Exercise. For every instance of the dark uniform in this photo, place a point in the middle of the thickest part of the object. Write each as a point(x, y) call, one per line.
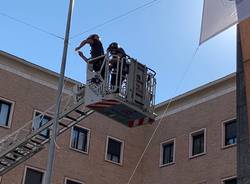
point(96, 51)
point(118, 51)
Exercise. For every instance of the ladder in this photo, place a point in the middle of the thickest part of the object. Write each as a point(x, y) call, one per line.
point(25, 142)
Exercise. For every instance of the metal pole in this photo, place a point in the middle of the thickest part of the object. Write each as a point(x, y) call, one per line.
point(51, 155)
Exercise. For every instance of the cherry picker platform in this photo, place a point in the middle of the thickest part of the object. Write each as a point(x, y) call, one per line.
point(123, 89)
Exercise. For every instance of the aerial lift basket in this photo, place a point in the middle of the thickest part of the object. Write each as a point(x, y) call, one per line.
point(123, 89)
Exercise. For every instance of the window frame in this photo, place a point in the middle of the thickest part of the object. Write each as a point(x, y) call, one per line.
point(74, 180)
point(46, 114)
point(223, 145)
point(122, 150)
point(228, 178)
point(11, 112)
point(88, 139)
point(191, 135)
point(169, 141)
point(33, 168)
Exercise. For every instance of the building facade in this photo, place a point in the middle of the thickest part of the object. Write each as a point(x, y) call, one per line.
point(195, 142)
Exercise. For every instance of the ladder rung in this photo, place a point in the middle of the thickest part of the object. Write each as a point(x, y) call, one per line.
point(10, 158)
point(42, 135)
point(80, 112)
point(27, 147)
point(19, 152)
point(4, 164)
point(62, 124)
point(35, 141)
point(2, 168)
point(69, 117)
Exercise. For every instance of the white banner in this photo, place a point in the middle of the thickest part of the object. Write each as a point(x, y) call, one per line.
point(218, 15)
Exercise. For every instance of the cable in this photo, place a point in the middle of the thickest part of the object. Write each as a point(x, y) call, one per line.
point(115, 18)
point(32, 26)
point(164, 113)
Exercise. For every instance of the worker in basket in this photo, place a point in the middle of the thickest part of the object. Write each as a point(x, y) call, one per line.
point(119, 58)
point(96, 51)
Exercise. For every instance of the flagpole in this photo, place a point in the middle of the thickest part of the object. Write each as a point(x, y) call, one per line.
point(51, 155)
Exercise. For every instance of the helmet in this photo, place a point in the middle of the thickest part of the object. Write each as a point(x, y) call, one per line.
point(113, 46)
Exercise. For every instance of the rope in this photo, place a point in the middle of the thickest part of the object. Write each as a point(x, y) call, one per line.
point(115, 18)
point(164, 113)
point(31, 26)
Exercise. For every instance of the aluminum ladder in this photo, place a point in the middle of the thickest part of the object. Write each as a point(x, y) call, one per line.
point(25, 142)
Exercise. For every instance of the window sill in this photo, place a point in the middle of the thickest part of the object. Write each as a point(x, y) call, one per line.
point(6, 127)
point(229, 146)
point(79, 151)
point(198, 155)
point(166, 165)
point(116, 163)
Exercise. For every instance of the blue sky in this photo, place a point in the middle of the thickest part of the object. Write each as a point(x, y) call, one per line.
point(163, 36)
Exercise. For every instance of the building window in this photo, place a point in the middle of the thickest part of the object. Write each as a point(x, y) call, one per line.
point(33, 176)
point(114, 150)
point(39, 120)
point(198, 143)
point(230, 132)
point(230, 181)
point(167, 151)
point(80, 139)
point(5, 113)
point(71, 181)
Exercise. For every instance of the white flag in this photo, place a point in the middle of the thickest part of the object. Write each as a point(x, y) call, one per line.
point(219, 15)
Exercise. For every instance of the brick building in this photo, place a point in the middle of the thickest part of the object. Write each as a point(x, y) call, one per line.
point(195, 143)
